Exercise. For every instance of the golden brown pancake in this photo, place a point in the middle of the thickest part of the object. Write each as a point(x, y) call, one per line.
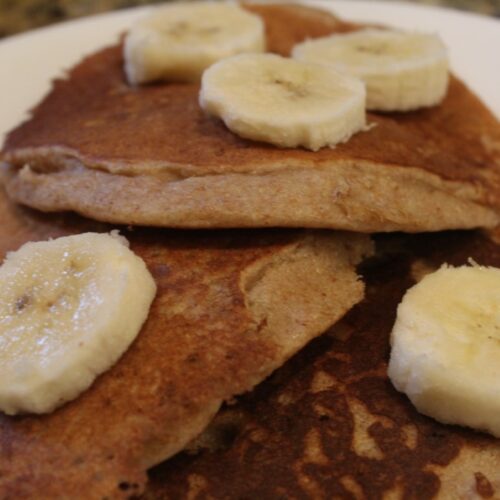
point(231, 307)
point(150, 156)
point(329, 424)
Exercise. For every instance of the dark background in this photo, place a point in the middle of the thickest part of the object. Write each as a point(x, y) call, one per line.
point(21, 15)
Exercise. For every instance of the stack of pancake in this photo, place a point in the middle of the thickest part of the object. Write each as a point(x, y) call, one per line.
point(235, 304)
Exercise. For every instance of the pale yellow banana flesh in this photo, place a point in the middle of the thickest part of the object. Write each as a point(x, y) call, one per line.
point(402, 71)
point(287, 103)
point(446, 347)
point(178, 42)
point(69, 308)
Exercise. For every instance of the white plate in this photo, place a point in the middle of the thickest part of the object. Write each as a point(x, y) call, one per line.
point(29, 61)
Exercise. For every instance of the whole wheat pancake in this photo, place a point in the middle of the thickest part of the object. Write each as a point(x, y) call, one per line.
point(329, 424)
point(231, 307)
point(149, 156)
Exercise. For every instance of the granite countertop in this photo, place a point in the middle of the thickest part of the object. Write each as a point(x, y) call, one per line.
point(21, 15)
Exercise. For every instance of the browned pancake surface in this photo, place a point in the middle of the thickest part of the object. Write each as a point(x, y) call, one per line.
point(229, 310)
point(96, 114)
point(149, 156)
point(329, 424)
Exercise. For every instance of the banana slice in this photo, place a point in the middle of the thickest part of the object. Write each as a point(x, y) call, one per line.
point(69, 308)
point(287, 103)
point(446, 347)
point(179, 41)
point(402, 71)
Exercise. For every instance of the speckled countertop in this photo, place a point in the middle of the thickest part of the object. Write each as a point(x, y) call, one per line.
point(22, 15)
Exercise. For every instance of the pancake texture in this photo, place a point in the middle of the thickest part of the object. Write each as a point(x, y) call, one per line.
point(329, 424)
point(231, 307)
point(150, 156)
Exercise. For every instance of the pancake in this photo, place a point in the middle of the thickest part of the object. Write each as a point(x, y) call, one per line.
point(149, 156)
point(329, 424)
point(231, 307)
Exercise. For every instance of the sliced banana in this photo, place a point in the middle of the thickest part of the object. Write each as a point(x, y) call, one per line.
point(178, 42)
point(446, 347)
point(287, 103)
point(69, 308)
point(402, 71)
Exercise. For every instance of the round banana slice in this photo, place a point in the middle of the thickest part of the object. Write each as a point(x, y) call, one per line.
point(446, 347)
point(69, 308)
point(287, 103)
point(178, 42)
point(402, 71)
